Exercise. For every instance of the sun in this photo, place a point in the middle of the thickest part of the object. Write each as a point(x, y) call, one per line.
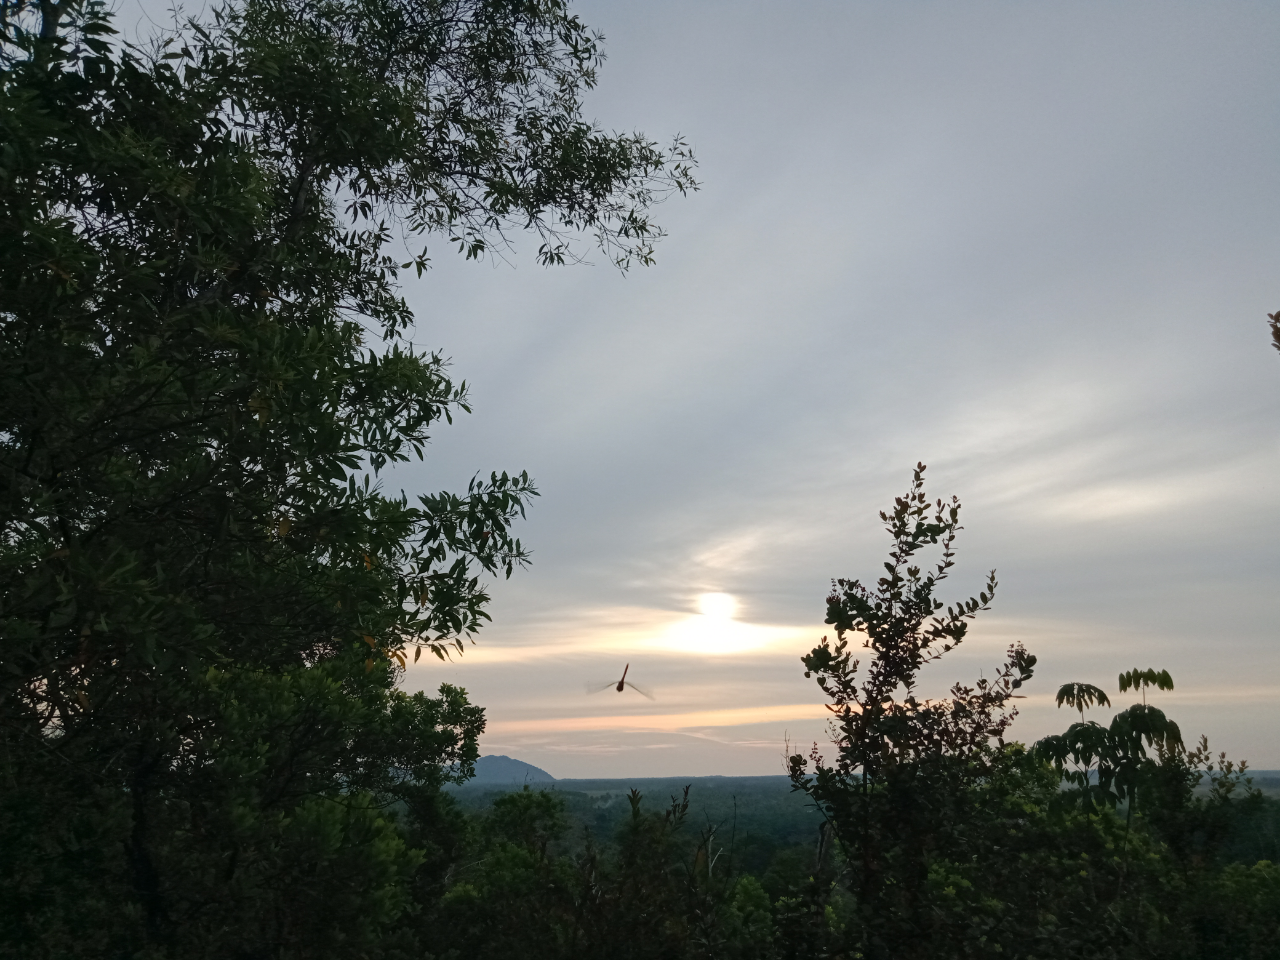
point(715, 630)
point(717, 606)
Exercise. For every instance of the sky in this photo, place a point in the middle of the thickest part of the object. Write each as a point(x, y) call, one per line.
point(1031, 245)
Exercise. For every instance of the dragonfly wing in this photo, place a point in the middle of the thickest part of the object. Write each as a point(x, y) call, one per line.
point(643, 693)
point(600, 687)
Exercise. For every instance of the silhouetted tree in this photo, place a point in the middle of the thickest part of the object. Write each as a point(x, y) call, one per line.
point(206, 600)
point(958, 844)
point(898, 794)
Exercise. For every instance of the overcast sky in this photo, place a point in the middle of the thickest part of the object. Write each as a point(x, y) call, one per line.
point(1032, 245)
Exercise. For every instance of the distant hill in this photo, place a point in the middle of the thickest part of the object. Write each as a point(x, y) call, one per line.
point(493, 771)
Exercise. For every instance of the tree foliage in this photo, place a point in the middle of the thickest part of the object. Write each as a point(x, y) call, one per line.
point(658, 888)
point(206, 597)
point(1081, 696)
point(953, 842)
point(897, 793)
point(1109, 763)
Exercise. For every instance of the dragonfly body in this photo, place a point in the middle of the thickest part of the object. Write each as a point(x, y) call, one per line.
point(620, 686)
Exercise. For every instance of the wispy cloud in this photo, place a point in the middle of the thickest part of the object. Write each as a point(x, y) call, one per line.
point(667, 722)
point(1024, 244)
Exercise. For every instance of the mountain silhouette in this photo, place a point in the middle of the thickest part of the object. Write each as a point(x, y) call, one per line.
point(504, 770)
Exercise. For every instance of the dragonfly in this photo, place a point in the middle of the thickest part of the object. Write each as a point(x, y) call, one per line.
point(624, 682)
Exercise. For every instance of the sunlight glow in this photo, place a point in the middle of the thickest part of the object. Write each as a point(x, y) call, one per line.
point(667, 722)
point(627, 631)
point(717, 606)
point(715, 631)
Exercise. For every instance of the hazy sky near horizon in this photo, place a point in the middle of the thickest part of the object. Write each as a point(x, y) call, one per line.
point(1032, 245)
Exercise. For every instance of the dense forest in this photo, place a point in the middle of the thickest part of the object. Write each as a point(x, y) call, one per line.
point(749, 871)
point(208, 601)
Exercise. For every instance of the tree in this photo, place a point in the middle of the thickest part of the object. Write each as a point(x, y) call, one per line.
point(900, 795)
point(1118, 754)
point(1081, 696)
point(206, 598)
point(1181, 807)
point(958, 844)
point(644, 896)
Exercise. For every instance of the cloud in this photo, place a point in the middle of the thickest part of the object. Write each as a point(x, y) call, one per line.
point(666, 722)
point(1030, 245)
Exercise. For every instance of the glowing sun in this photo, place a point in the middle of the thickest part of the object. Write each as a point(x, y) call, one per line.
point(717, 606)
